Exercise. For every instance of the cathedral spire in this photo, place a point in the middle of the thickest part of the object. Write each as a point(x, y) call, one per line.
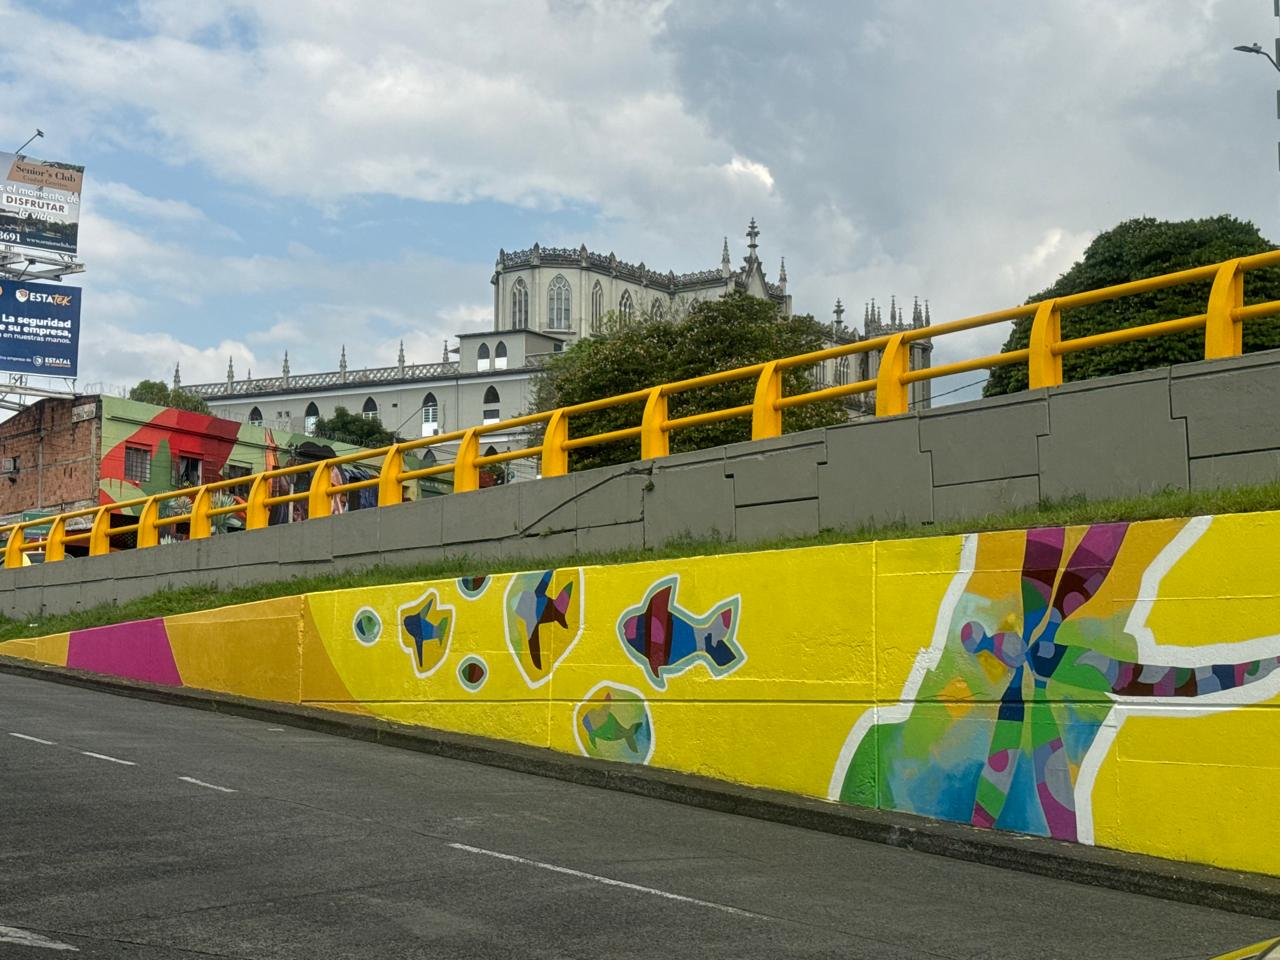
point(917, 316)
point(927, 321)
point(231, 372)
point(753, 233)
point(177, 377)
point(342, 364)
point(782, 274)
point(446, 351)
point(400, 358)
point(284, 369)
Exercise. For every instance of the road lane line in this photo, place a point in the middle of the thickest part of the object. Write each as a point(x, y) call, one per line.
point(211, 786)
point(23, 736)
point(103, 756)
point(607, 881)
point(25, 938)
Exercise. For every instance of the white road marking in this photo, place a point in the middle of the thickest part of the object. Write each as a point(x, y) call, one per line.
point(275, 729)
point(607, 881)
point(103, 756)
point(211, 786)
point(25, 938)
point(23, 736)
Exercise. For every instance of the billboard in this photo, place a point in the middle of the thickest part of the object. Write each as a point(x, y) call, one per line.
point(39, 203)
point(39, 328)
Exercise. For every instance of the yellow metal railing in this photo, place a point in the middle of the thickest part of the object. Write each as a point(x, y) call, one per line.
point(1222, 322)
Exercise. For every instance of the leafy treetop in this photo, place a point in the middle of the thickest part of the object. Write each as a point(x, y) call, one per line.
point(159, 393)
point(734, 331)
point(1134, 250)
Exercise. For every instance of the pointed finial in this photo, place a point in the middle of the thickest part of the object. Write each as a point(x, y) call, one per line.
point(753, 232)
point(839, 312)
point(177, 377)
point(446, 351)
point(400, 357)
point(927, 321)
point(342, 364)
point(231, 372)
point(782, 272)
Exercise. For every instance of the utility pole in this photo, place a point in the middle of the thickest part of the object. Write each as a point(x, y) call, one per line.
point(1275, 62)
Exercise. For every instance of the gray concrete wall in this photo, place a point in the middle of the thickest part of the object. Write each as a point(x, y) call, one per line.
point(1193, 426)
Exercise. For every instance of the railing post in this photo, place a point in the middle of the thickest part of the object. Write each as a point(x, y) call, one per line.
point(13, 548)
point(555, 458)
point(148, 534)
point(654, 441)
point(390, 486)
point(766, 418)
point(1223, 334)
point(100, 533)
point(56, 548)
point(319, 503)
point(892, 397)
point(200, 526)
point(256, 512)
point(1044, 367)
point(466, 475)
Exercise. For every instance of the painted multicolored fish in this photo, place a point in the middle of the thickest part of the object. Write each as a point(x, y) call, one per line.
point(423, 630)
point(668, 640)
point(536, 609)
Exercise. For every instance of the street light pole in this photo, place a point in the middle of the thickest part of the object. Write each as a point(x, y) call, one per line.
point(1275, 62)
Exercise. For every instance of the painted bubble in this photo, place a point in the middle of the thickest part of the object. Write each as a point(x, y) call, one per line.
point(472, 673)
point(613, 723)
point(472, 587)
point(367, 626)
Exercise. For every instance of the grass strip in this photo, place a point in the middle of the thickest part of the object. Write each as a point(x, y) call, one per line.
point(1073, 511)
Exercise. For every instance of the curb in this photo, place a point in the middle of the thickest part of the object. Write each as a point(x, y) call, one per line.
point(1246, 893)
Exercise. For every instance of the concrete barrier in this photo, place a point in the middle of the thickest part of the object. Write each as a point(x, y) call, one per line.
point(1115, 685)
point(1193, 426)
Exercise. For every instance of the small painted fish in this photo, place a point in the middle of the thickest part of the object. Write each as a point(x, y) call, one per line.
point(420, 627)
point(602, 724)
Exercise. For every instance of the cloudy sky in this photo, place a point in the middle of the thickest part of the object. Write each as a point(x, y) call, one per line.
point(300, 174)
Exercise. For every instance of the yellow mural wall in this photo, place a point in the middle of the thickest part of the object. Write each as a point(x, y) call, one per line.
point(1115, 684)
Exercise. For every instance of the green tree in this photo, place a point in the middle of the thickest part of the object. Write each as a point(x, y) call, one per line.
point(1134, 250)
point(733, 331)
point(352, 428)
point(158, 393)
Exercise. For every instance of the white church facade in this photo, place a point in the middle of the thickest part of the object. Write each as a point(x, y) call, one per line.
point(544, 299)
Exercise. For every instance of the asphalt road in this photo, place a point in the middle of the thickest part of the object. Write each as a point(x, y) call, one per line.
point(141, 830)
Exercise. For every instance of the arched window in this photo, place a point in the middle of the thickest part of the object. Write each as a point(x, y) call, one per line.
point(370, 409)
point(519, 305)
point(492, 412)
point(430, 415)
point(656, 309)
point(842, 371)
point(482, 357)
point(558, 302)
point(310, 419)
point(597, 307)
point(255, 417)
point(491, 451)
point(500, 356)
point(626, 308)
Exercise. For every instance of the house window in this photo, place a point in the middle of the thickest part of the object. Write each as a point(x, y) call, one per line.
point(310, 419)
point(492, 416)
point(370, 409)
point(519, 305)
point(558, 301)
point(255, 417)
point(430, 416)
point(8, 464)
point(233, 471)
point(597, 307)
point(482, 357)
point(186, 472)
point(137, 464)
point(626, 307)
point(500, 356)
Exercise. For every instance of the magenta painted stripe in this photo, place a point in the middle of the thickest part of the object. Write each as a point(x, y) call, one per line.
point(135, 651)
